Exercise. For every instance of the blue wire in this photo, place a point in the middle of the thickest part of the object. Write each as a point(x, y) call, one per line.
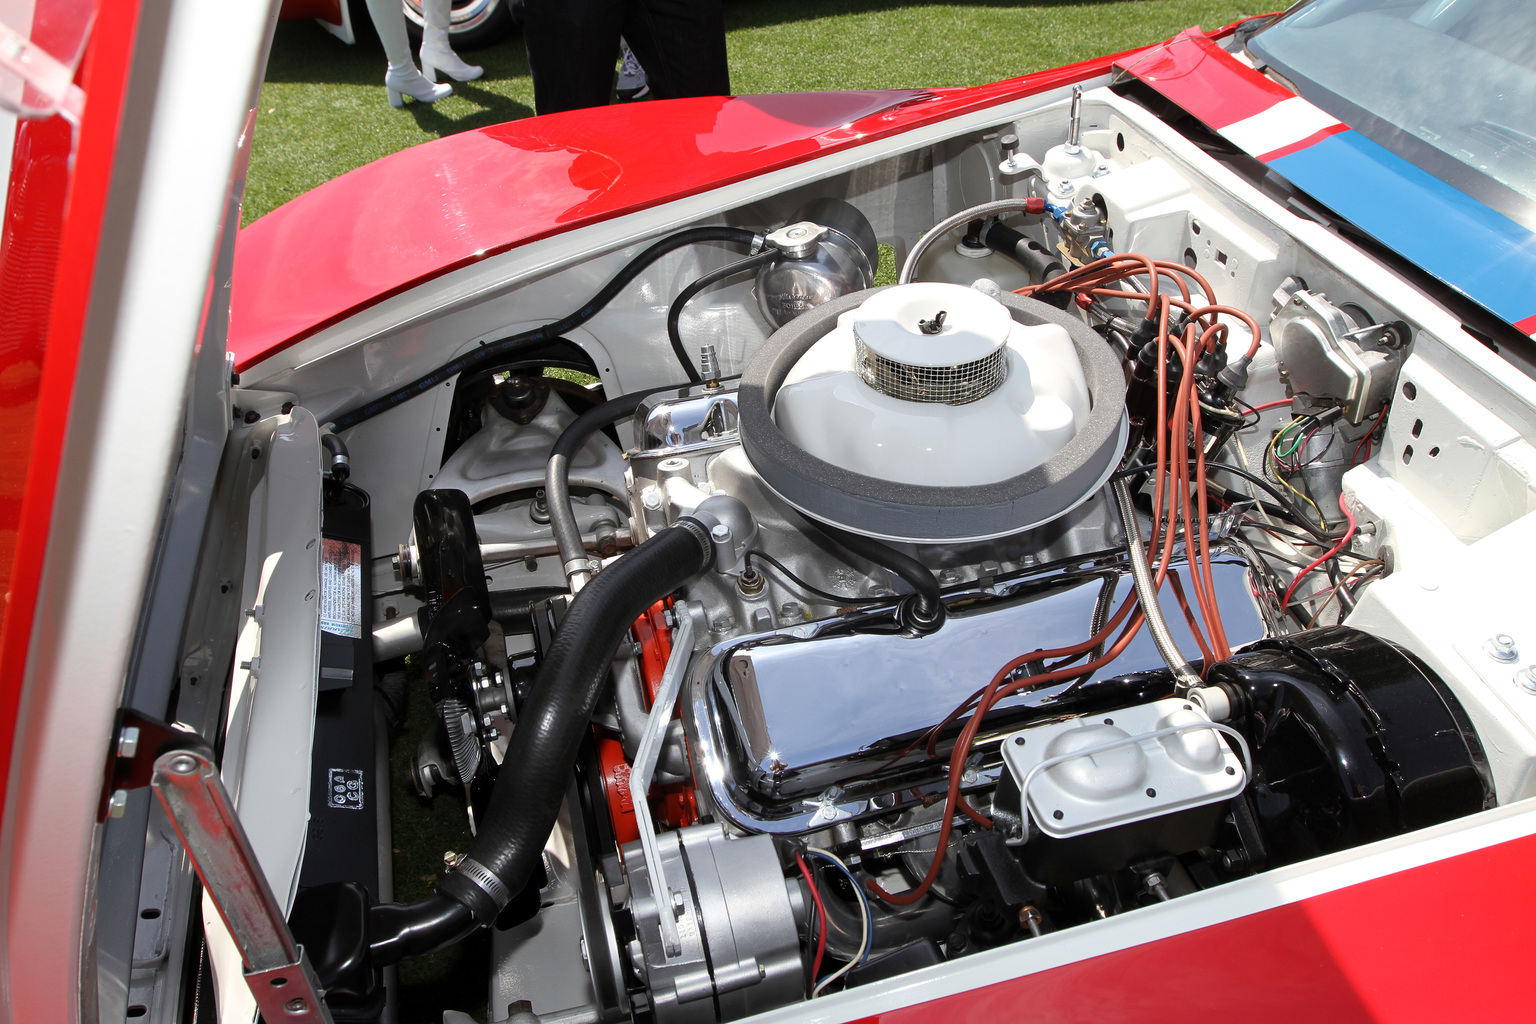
point(869, 914)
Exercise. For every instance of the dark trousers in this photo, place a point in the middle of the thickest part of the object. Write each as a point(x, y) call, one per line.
point(572, 46)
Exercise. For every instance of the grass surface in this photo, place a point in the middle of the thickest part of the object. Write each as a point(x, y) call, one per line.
point(323, 108)
point(454, 979)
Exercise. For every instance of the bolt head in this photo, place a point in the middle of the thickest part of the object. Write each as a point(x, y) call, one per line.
point(1502, 648)
point(1526, 679)
point(183, 764)
point(720, 532)
point(117, 803)
point(296, 1006)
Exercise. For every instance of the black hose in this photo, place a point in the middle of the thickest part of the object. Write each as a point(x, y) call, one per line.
point(514, 608)
point(557, 474)
point(341, 462)
point(675, 314)
point(552, 723)
point(926, 612)
point(498, 350)
point(397, 931)
point(1040, 263)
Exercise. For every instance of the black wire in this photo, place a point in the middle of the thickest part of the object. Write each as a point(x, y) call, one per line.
point(1286, 506)
point(500, 349)
point(1248, 410)
point(927, 596)
point(1289, 534)
point(675, 314)
point(807, 588)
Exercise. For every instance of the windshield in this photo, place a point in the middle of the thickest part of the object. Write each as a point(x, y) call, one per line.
point(1450, 85)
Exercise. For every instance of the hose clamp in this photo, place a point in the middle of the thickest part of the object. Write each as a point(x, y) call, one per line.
point(700, 532)
point(485, 880)
point(578, 566)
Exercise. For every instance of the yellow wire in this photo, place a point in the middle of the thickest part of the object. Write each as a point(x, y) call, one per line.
point(1275, 462)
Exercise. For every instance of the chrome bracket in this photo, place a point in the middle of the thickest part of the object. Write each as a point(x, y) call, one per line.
point(669, 902)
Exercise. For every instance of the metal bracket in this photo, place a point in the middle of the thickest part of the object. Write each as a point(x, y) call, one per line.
point(179, 766)
point(137, 740)
point(668, 903)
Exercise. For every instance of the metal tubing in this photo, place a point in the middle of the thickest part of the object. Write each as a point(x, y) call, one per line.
point(1146, 590)
point(948, 224)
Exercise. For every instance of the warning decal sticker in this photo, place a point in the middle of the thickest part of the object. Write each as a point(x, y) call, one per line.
point(341, 588)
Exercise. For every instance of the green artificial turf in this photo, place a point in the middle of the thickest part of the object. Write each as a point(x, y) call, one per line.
point(323, 108)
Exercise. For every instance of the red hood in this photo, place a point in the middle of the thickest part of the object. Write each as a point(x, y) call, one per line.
point(445, 204)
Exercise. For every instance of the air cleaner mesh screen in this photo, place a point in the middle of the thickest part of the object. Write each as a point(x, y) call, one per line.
point(951, 385)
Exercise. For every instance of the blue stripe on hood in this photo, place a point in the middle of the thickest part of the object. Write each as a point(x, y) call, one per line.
point(1476, 250)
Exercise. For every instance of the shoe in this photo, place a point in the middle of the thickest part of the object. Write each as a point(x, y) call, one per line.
point(632, 83)
point(448, 62)
point(409, 82)
point(436, 51)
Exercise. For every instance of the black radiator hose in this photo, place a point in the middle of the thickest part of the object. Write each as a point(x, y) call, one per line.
point(550, 727)
point(341, 462)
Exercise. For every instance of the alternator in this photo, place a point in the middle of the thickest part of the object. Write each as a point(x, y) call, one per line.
point(737, 922)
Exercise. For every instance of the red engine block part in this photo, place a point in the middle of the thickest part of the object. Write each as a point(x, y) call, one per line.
point(621, 806)
point(655, 638)
point(673, 805)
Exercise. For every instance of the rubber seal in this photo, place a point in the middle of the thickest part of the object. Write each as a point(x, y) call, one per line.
point(921, 514)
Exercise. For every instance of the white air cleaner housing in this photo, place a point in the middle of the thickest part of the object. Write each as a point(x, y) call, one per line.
point(876, 414)
point(935, 384)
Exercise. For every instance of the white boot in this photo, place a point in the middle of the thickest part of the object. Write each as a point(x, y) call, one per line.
point(436, 53)
point(407, 81)
point(402, 78)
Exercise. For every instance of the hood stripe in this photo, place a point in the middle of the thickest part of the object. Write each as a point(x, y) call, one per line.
point(1474, 249)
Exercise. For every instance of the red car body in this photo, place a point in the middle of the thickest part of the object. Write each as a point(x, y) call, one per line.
point(1436, 930)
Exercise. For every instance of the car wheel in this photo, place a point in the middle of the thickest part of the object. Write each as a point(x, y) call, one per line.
point(473, 23)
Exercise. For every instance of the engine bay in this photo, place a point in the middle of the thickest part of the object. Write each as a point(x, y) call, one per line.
point(923, 553)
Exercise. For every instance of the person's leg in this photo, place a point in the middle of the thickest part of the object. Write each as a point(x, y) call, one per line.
point(436, 50)
point(403, 78)
point(389, 23)
point(572, 46)
point(681, 45)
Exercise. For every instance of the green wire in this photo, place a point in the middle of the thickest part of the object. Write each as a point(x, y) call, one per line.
point(1285, 430)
